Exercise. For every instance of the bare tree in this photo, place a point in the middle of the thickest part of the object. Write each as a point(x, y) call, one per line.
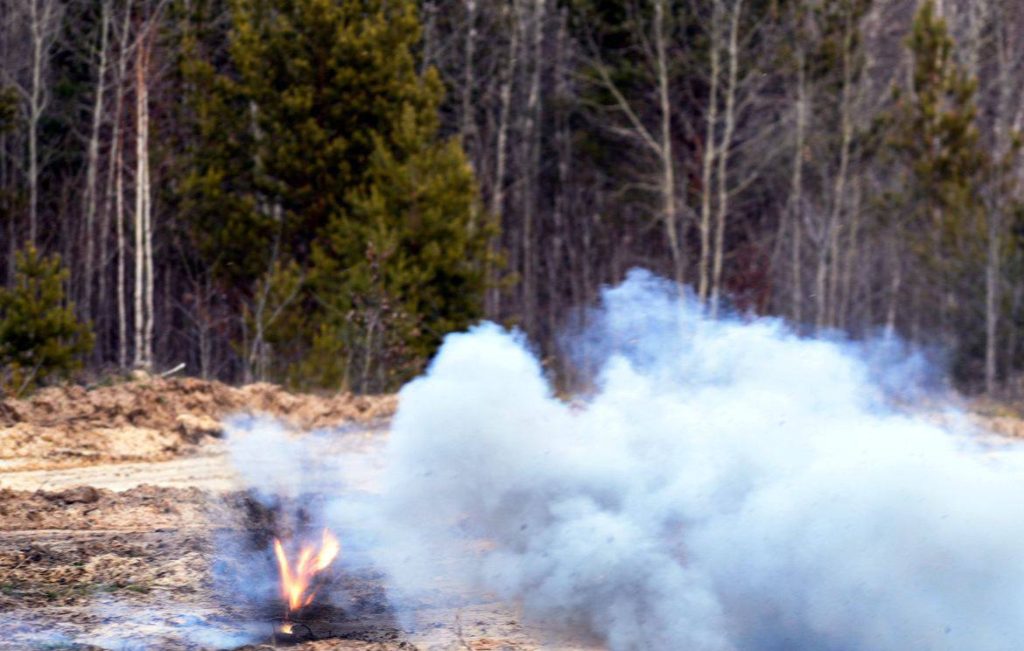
point(115, 182)
point(497, 203)
point(655, 141)
point(828, 244)
point(796, 198)
point(90, 195)
point(723, 154)
point(42, 21)
point(1008, 121)
point(143, 208)
point(468, 128)
point(708, 154)
point(532, 17)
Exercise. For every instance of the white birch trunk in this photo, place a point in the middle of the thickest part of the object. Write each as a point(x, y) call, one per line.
point(723, 157)
point(143, 251)
point(708, 156)
point(119, 208)
point(43, 27)
point(668, 179)
point(92, 166)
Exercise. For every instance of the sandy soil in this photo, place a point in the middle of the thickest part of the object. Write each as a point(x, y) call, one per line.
point(155, 419)
point(115, 505)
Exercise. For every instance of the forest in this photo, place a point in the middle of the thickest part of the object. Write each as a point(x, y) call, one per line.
point(314, 192)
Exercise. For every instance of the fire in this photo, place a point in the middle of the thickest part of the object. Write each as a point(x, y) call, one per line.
point(296, 579)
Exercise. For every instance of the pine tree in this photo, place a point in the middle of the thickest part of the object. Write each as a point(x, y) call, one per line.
point(318, 145)
point(407, 250)
point(939, 210)
point(40, 336)
point(936, 134)
point(287, 131)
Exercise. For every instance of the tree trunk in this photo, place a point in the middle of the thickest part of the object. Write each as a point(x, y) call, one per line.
point(122, 309)
point(992, 268)
point(468, 126)
point(894, 291)
point(668, 173)
point(531, 175)
point(430, 47)
point(117, 172)
point(143, 232)
point(497, 203)
point(42, 30)
point(828, 265)
point(723, 158)
point(845, 296)
point(1007, 122)
point(708, 155)
point(796, 197)
point(92, 167)
point(558, 268)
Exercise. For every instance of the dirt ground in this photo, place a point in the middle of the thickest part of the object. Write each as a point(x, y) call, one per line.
point(155, 419)
point(115, 504)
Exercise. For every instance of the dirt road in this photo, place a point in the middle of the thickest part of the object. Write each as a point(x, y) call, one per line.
point(209, 472)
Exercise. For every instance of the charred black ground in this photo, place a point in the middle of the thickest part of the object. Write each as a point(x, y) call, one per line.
point(350, 601)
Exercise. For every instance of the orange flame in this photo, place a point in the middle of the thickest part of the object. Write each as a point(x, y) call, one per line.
point(295, 581)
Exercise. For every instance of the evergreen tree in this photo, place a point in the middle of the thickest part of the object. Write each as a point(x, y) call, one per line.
point(320, 135)
point(287, 130)
point(407, 249)
point(40, 336)
point(936, 135)
point(940, 210)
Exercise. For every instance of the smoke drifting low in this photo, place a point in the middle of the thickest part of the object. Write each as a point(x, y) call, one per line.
point(727, 486)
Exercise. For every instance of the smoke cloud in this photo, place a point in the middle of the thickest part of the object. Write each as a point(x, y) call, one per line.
point(727, 485)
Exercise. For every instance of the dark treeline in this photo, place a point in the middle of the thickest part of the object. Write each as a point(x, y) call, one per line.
point(314, 192)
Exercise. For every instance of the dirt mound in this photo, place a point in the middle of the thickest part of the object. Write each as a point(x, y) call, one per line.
point(155, 419)
point(87, 508)
point(159, 404)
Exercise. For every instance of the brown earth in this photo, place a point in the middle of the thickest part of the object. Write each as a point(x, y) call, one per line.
point(155, 419)
point(121, 512)
point(119, 509)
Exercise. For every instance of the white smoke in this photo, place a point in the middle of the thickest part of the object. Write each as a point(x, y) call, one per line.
point(727, 485)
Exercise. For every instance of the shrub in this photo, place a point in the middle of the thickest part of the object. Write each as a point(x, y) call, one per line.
point(40, 336)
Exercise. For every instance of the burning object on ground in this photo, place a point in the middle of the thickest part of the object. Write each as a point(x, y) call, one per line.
point(298, 581)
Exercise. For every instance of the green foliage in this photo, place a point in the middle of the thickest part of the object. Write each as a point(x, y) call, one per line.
point(409, 236)
point(268, 315)
point(40, 336)
point(318, 150)
point(288, 129)
point(362, 343)
point(936, 136)
point(938, 209)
